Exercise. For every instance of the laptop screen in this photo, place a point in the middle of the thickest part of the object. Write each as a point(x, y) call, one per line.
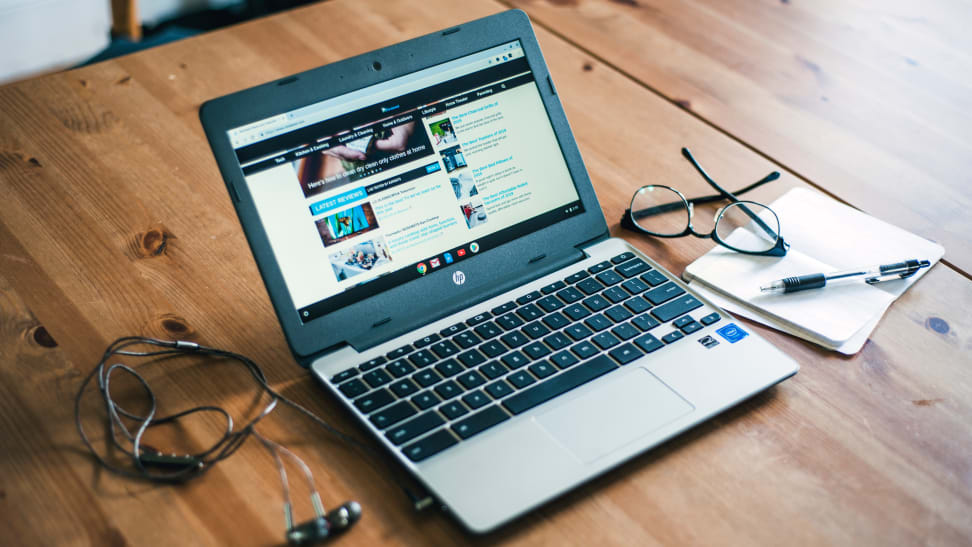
point(366, 191)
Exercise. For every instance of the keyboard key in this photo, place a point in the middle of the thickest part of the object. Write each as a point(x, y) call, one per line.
point(682, 321)
point(493, 370)
point(564, 359)
point(598, 322)
point(711, 318)
point(529, 297)
point(648, 343)
point(449, 331)
point(407, 431)
point(400, 352)
point(500, 310)
point(499, 389)
point(570, 295)
point(529, 312)
point(578, 332)
point(373, 401)
point(509, 321)
point(514, 339)
point(487, 330)
point(542, 369)
point(663, 293)
point(404, 388)
point(605, 340)
point(392, 415)
point(448, 389)
point(429, 446)
point(466, 340)
point(514, 360)
point(480, 318)
point(645, 322)
point(426, 378)
point(553, 287)
point(453, 409)
point(493, 348)
point(557, 340)
point(480, 421)
point(633, 268)
point(372, 364)
point(520, 379)
point(400, 368)
point(616, 294)
point(600, 267)
point(625, 331)
point(584, 349)
point(618, 314)
point(566, 381)
point(471, 379)
point(444, 348)
point(535, 330)
point(622, 257)
point(536, 350)
point(691, 327)
point(344, 375)
point(625, 353)
point(596, 302)
point(550, 303)
point(637, 305)
point(472, 358)
point(590, 286)
point(555, 321)
point(574, 278)
point(635, 286)
point(353, 388)
point(422, 342)
point(476, 399)
point(422, 358)
point(425, 400)
point(449, 367)
point(576, 312)
point(609, 278)
point(672, 336)
point(376, 378)
point(653, 278)
point(673, 309)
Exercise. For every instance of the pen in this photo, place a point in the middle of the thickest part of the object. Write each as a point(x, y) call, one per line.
point(870, 275)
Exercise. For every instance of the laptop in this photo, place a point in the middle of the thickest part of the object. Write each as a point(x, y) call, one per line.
point(437, 258)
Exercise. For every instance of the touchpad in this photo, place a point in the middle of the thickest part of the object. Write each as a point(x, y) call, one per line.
point(620, 409)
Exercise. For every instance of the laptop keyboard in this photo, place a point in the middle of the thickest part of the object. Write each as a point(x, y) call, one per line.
point(444, 388)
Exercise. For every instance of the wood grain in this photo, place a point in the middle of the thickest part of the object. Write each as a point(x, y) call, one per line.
point(868, 101)
point(115, 221)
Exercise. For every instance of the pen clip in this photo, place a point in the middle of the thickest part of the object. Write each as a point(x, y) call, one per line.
point(892, 277)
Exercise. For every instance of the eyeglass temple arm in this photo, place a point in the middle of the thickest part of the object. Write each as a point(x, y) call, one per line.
point(668, 207)
point(759, 222)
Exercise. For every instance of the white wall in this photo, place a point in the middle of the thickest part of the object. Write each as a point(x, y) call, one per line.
point(38, 36)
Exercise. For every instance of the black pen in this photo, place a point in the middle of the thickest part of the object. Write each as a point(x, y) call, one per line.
point(870, 275)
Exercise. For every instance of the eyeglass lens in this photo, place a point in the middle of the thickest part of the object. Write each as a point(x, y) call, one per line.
point(660, 210)
point(748, 226)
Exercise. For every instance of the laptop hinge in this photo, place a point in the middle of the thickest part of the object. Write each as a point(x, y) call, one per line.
point(593, 241)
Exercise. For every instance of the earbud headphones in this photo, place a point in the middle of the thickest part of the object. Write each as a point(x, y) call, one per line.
point(154, 465)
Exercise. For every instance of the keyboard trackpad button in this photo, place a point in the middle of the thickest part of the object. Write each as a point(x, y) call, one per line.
point(620, 409)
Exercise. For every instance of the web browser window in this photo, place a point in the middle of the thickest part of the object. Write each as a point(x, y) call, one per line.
point(364, 192)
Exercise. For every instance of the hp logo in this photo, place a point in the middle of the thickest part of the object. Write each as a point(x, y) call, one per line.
point(458, 277)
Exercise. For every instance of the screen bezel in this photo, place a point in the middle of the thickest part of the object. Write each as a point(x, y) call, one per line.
point(406, 307)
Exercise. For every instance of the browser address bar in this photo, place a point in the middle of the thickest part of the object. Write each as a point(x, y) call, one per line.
point(371, 95)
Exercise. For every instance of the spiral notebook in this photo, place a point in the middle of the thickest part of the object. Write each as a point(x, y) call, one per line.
point(824, 236)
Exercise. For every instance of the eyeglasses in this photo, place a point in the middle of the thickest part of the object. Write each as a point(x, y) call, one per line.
point(743, 226)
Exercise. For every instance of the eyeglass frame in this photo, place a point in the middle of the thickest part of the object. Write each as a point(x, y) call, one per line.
point(779, 250)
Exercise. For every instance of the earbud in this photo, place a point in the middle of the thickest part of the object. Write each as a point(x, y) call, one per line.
point(323, 525)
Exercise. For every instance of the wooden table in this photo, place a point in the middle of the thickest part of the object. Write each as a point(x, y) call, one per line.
point(114, 221)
